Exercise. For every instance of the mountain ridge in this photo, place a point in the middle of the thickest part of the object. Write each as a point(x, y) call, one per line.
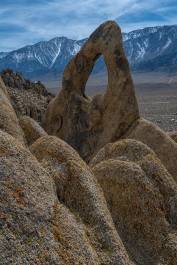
point(152, 48)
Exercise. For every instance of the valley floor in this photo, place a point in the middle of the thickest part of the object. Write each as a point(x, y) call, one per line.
point(156, 93)
point(158, 103)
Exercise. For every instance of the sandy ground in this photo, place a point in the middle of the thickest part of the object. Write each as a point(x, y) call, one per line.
point(156, 94)
point(159, 104)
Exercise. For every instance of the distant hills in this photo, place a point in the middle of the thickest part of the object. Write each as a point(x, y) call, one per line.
point(148, 49)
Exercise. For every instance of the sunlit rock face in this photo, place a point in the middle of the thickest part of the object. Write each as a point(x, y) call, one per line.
point(89, 123)
point(142, 198)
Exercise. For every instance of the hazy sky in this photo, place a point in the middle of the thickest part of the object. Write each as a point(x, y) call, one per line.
point(24, 22)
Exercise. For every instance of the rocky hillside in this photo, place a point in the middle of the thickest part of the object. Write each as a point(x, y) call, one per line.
point(149, 49)
point(27, 98)
point(99, 186)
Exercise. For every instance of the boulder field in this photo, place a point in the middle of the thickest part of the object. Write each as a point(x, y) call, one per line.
point(94, 183)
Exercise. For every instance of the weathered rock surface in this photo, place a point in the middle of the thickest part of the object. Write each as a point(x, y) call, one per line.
point(78, 190)
point(27, 98)
point(27, 201)
point(142, 198)
point(121, 209)
point(36, 228)
point(88, 124)
point(16, 80)
point(159, 141)
point(173, 135)
point(32, 130)
point(8, 119)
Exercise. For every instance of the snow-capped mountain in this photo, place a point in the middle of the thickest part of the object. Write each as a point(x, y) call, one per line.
point(40, 58)
point(147, 49)
point(3, 54)
point(152, 48)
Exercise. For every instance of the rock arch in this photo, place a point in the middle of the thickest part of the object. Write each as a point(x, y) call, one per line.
point(89, 123)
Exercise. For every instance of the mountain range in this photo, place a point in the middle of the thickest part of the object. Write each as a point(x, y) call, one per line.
point(148, 49)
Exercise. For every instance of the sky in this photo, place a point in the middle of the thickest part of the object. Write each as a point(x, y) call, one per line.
point(24, 22)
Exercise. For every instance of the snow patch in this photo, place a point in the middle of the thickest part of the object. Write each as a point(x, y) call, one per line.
point(76, 49)
point(167, 44)
point(56, 55)
point(141, 51)
point(18, 57)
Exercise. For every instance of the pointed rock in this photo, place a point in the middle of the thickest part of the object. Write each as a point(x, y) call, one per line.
point(88, 124)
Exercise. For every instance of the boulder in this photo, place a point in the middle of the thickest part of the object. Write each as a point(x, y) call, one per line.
point(142, 198)
point(31, 129)
point(36, 228)
point(78, 190)
point(126, 149)
point(87, 124)
point(159, 141)
point(27, 201)
point(8, 119)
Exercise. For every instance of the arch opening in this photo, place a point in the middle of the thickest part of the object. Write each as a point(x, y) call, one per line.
point(98, 79)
